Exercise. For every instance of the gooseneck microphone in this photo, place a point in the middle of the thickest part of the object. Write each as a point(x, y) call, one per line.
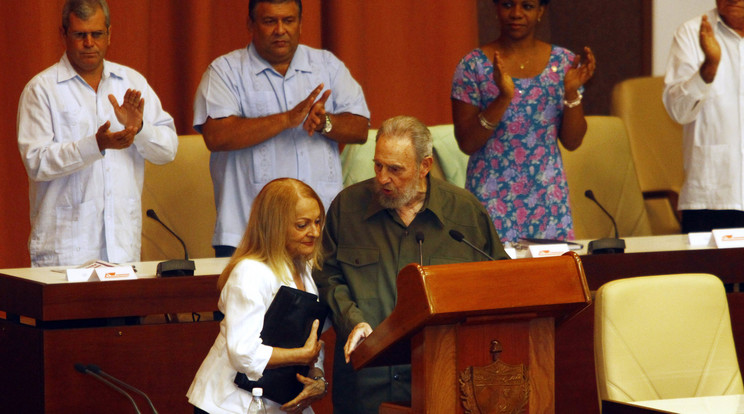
point(97, 370)
point(83, 369)
point(420, 241)
point(607, 244)
point(461, 238)
point(175, 267)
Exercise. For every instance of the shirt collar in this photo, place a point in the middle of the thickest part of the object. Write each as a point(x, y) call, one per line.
point(724, 26)
point(67, 72)
point(299, 63)
point(433, 202)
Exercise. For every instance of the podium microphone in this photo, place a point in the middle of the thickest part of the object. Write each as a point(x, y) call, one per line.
point(607, 244)
point(97, 370)
point(175, 267)
point(420, 241)
point(461, 238)
point(81, 368)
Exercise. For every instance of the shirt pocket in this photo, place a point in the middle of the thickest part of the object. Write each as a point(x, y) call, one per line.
point(261, 104)
point(71, 125)
point(712, 164)
point(78, 231)
point(361, 267)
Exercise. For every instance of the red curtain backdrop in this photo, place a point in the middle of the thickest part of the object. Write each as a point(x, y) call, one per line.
point(402, 52)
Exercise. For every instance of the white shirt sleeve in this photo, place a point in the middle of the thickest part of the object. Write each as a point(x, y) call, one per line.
point(157, 141)
point(684, 88)
point(246, 296)
point(45, 157)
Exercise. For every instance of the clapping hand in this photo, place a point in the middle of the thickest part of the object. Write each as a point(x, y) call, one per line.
point(711, 50)
point(582, 69)
point(316, 117)
point(310, 111)
point(131, 110)
point(129, 114)
point(503, 80)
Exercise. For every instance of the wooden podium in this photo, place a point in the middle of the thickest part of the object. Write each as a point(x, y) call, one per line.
point(447, 318)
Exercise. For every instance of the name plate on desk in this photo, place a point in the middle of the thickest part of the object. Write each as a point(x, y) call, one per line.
point(103, 274)
point(547, 250)
point(700, 239)
point(728, 237)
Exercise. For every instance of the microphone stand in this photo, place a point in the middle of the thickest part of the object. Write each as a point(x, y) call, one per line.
point(420, 241)
point(97, 370)
point(83, 369)
point(174, 267)
point(461, 238)
point(607, 244)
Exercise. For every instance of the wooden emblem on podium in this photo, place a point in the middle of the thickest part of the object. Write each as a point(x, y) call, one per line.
point(495, 388)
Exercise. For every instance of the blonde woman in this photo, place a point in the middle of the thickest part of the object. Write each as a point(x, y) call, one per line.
point(280, 246)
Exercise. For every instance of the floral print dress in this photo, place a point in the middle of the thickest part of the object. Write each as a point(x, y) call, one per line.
point(518, 174)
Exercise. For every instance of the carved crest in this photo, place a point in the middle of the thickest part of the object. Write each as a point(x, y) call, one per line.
point(495, 388)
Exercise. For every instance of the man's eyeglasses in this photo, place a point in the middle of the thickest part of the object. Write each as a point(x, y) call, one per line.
point(82, 36)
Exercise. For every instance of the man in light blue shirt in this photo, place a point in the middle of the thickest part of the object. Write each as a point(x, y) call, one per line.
point(275, 109)
point(84, 152)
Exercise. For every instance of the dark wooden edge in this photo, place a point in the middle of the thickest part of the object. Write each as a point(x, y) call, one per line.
point(69, 301)
point(724, 263)
point(616, 407)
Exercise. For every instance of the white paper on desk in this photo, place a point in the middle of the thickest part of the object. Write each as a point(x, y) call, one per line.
point(512, 252)
point(729, 237)
point(700, 239)
point(79, 275)
point(105, 274)
point(548, 250)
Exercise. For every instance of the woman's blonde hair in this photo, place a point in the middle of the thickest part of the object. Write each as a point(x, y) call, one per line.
point(273, 212)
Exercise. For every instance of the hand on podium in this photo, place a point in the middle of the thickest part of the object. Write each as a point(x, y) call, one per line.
point(357, 335)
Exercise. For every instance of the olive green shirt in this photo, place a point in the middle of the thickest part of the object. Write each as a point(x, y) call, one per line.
point(366, 245)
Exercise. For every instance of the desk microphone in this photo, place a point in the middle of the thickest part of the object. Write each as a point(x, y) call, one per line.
point(97, 370)
point(175, 267)
point(81, 368)
point(461, 238)
point(420, 241)
point(607, 244)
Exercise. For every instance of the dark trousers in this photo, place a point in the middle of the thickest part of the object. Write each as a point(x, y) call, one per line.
point(198, 410)
point(223, 251)
point(706, 220)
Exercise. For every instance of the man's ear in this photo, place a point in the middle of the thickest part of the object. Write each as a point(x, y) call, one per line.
point(426, 165)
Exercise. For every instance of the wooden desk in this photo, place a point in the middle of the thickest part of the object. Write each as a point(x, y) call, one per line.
point(50, 324)
point(576, 390)
point(724, 404)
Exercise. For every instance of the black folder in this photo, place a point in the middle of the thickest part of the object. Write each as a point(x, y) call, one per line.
point(287, 324)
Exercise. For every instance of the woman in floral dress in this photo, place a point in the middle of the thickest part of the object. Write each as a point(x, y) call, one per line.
point(512, 100)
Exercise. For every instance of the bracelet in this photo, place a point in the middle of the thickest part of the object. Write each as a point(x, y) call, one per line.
point(575, 102)
point(485, 123)
point(320, 377)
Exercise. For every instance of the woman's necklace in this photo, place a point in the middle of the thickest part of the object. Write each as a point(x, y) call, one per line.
point(525, 63)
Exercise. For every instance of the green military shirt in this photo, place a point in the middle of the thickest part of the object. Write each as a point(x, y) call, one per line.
point(366, 245)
